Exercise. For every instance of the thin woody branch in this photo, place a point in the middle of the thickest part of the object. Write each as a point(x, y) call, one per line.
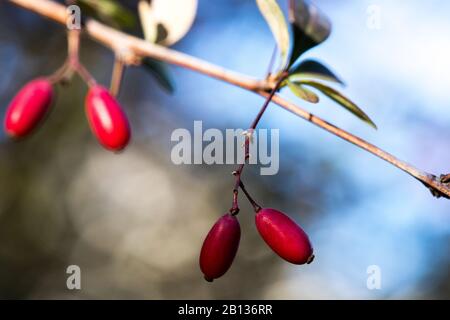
point(117, 76)
point(109, 37)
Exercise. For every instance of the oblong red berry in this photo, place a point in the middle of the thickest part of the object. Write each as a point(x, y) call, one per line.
point(284, 236)
point(28, 107)
point(106, 118)
point(220, 247)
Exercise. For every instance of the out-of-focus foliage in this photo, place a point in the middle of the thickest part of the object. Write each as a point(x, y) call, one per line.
point(110, 12)
point(167, 21)
point(161, 73)
point(339, 98)
point(277, 23)
point(310, 27)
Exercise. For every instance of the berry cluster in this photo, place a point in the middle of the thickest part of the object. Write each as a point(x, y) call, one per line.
point(33, 102)
point(110, 125)
point(280, 233)
point(30, 105)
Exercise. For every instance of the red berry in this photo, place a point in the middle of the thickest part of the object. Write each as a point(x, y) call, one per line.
point(28, 107)
point(220, 247)
point(107, 120)
point(284, 236)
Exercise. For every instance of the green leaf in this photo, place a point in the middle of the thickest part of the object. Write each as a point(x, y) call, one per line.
point(302, 92)
point(314, 69)
point(161, 73)
point(340, 99)
point(110, 12)
point(278, 25)
point(310, 27)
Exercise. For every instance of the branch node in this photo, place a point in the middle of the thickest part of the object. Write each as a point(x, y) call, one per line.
point(443, 181)
point(127, 56)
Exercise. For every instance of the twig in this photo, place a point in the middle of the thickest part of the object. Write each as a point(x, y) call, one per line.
point(271, 62)
point(73, 37)
point(238, 172)
point(255, 205)
point(111, 38)
point(117, 76)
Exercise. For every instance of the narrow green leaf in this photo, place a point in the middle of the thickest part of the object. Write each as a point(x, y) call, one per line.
point(160, 71)
point(277, 23)
point(340, 99)
point(110, 12)
point(310, 27)
point(314, 69)
point(302, 92)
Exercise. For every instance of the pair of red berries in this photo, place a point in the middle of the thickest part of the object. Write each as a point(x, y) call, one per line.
point(281, 233)
point(31, 104)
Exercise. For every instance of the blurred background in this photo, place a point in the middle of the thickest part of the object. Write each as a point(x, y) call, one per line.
point(134, 222)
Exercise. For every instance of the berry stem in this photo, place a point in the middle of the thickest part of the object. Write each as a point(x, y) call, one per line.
point(235, 207)
point(85, 75)
point(60, 74)
point(282, 77)
point(117, 76)
point(73, 42)
point(249, 133)
point(255, 205)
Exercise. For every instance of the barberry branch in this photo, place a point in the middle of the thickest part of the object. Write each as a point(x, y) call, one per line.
point(111, 37)
point(248, 136)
